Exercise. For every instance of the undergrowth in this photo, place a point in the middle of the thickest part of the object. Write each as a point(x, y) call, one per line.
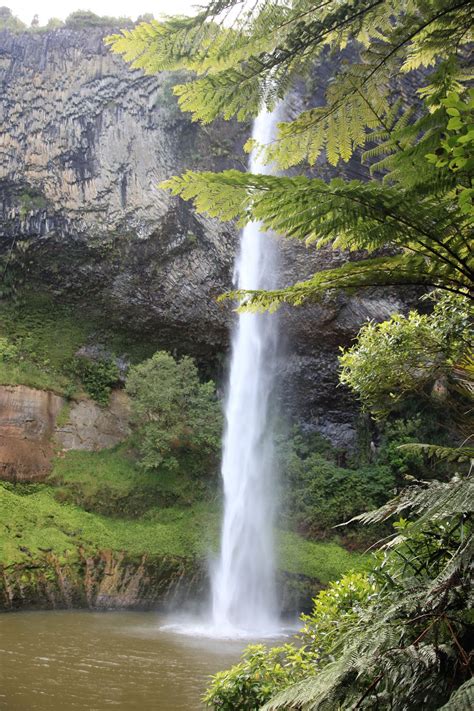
point(110, 482)
point(39, 339)
point(175, 515)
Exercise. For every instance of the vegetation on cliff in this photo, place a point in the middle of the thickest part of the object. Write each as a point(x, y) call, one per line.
point(78, 20)
point(103, 501)
point(41, 342)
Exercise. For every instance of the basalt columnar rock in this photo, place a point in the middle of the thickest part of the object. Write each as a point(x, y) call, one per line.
point(84, 142)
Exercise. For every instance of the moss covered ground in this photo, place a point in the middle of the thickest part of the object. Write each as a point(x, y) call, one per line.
point(169, 515)
point(39, 338)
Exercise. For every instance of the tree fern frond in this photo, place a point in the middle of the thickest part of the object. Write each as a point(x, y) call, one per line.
point(462, 699)
point(448, 454)
point(396, 271)
point(434, 501)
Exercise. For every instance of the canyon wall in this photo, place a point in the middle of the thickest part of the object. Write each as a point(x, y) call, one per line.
point(84, 142)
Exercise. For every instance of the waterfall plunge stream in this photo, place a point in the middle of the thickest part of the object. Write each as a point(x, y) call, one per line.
point(243, 582)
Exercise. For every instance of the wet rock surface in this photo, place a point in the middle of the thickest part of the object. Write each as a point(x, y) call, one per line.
point(106, 580)
point(109, 580)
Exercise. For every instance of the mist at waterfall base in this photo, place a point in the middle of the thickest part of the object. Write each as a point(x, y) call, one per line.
point(243, 587)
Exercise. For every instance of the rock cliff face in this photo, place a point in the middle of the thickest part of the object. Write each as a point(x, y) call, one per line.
point(103, 581)
point(27, 422)
point(84, 142)
point(31, 429)
point(108, 580)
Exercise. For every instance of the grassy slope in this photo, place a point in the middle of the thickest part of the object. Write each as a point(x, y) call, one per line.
point(48, 334)
point(36, 518)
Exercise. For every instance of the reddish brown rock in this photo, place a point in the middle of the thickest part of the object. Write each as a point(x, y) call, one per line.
point(27, 422)
point(30, 435)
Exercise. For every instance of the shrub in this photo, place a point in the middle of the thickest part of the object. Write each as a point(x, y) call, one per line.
point(401, 461)
point(173, 411)
point(263, 671)
point(407, 355)
point(335, 610)
point(320, 494)
point(97, 376)
point(8, 350)
point(8, 21)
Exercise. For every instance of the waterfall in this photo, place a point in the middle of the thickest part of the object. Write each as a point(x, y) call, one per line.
point(243, 582)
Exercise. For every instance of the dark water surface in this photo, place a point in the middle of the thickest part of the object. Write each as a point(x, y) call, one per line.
point(96, 661)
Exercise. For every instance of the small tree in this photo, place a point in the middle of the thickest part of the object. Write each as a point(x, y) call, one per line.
point(173, 412)
point(409, 355)
point(8, 21)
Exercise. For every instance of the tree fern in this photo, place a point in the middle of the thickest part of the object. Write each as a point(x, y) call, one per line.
point(273, 43)
point(366, 216)
point(462, 699)
point(253, 60)
point(416, 626)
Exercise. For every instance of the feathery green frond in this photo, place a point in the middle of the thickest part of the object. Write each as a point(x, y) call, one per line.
point(430, 502)
point(270, 44)
point(351, 215)
point(435, 451)
point(462, 699)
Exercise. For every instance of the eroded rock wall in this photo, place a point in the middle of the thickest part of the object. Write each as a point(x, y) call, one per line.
point(36, 424)
point(27, 423)
point(114, 580)
point(105, 580)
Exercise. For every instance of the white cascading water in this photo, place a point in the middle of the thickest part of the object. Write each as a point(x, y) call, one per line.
point(243, 582)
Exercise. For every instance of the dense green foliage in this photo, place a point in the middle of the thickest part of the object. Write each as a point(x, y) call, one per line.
point(172, 411)
point(410, 645)
point(263, 671)
point(34, 522)
point(83, 19)
point(111, 483)
point(409, 354)
point(97, 376)
point(43, 338)
point(319, 494)
point(324, 487)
